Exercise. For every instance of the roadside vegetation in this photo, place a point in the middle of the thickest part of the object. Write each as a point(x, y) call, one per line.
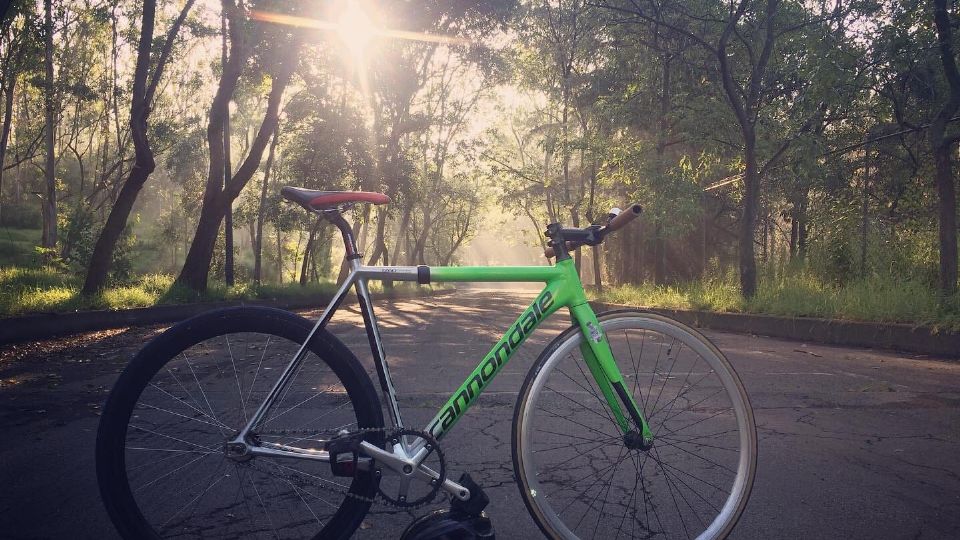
point(26, 286)
point(29, 286)
point(800, 293)
point(26, 290)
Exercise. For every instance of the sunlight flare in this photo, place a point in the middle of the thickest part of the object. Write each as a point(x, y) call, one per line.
point(355, 27)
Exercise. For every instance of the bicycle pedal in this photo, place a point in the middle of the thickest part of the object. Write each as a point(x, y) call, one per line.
point(343, 464)
point(344, 455)
point(450, 525)
point(478, 499)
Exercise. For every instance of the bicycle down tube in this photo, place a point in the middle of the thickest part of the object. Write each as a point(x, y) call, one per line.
point(562, 289)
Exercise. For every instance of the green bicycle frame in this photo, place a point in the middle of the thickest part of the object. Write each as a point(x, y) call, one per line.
point(563, 289)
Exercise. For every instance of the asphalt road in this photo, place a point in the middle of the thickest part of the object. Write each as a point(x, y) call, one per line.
point(853, 443)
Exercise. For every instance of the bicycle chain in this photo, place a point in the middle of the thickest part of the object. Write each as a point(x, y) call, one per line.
point(388, 434)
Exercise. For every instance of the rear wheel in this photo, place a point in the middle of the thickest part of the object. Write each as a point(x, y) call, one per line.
point(161, 464)
point(578, 477)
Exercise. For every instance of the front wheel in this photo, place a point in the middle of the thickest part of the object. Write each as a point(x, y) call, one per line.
point(580, 480)
point(161, 463)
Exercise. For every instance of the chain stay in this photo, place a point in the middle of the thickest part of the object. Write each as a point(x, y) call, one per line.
point(388, 434)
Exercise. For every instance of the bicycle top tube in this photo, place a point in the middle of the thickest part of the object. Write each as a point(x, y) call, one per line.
point(428, 274)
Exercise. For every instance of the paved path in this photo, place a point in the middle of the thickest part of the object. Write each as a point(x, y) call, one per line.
point(853, 443)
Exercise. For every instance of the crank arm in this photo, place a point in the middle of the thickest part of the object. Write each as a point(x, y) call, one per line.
point(421, 472)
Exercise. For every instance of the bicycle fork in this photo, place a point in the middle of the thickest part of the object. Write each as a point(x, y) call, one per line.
point(599, 359)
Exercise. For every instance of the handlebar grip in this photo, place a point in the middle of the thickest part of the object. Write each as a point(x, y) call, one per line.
point(624, 217)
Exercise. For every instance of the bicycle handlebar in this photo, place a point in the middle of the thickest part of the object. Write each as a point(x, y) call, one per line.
point(624, 217)
point(616, 223)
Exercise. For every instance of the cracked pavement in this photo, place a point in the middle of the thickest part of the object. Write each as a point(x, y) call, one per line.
point(853, 443)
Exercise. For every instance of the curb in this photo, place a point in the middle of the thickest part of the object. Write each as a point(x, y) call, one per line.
point(46, 325)
point(893, 336)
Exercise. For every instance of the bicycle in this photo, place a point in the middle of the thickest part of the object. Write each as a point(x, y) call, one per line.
point(251, 421)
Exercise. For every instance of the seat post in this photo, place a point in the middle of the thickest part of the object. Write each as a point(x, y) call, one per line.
point(349, 243)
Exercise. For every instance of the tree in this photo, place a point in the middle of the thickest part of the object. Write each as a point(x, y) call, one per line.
point(281, 58)
point(144, 89)
point(942, 144)
point(261, 211)
point(746, 39)
point(49, 203)
point(18, 44)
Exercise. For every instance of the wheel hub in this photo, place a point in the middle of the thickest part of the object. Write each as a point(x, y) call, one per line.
point(634, 440)
point(236, 451)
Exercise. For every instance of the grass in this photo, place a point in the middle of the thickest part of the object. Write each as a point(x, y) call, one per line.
point(30, 290)
point(17, 247)
point(26, 286)
point(27, 290)
point(875, 298)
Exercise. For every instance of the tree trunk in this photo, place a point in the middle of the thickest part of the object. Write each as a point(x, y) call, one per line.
point(745, 103)
point(279, 257)
point(227, 174)
point(216, 201)
point(379, 245)
point(703, 235)
point(748, 218)
point(597, 279)
point(401, 232)
point(864, 215)
point(421, 245)
point(794, 233)
point(261, 210)
point(141, 97)
point(802, 232)
point(308, 252)
point(49, 208)
point(196, 265)
point(659, 243)
point(5, 130)
point(942, 147)
point(947, 209)
point(659, 255)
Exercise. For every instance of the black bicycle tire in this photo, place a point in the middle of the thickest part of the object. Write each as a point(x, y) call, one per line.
point(111, 469)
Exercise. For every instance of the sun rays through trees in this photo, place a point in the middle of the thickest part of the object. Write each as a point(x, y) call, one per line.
point(775, 145)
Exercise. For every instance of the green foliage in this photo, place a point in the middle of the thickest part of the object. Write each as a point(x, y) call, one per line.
point(21, 216)
point(17, 247)
point(30, 290)
point(798, 292)
point(79, 236)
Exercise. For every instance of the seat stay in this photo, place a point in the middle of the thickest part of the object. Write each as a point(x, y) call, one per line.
point(358, 279)
point(295, 362)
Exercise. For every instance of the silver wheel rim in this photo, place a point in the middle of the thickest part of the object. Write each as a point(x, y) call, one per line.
point(746, 462)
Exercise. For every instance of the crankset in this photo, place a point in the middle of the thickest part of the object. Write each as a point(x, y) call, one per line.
point(417, 462)
point(411, 470)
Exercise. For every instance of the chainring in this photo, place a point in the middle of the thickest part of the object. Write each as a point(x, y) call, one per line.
point(432, 448)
